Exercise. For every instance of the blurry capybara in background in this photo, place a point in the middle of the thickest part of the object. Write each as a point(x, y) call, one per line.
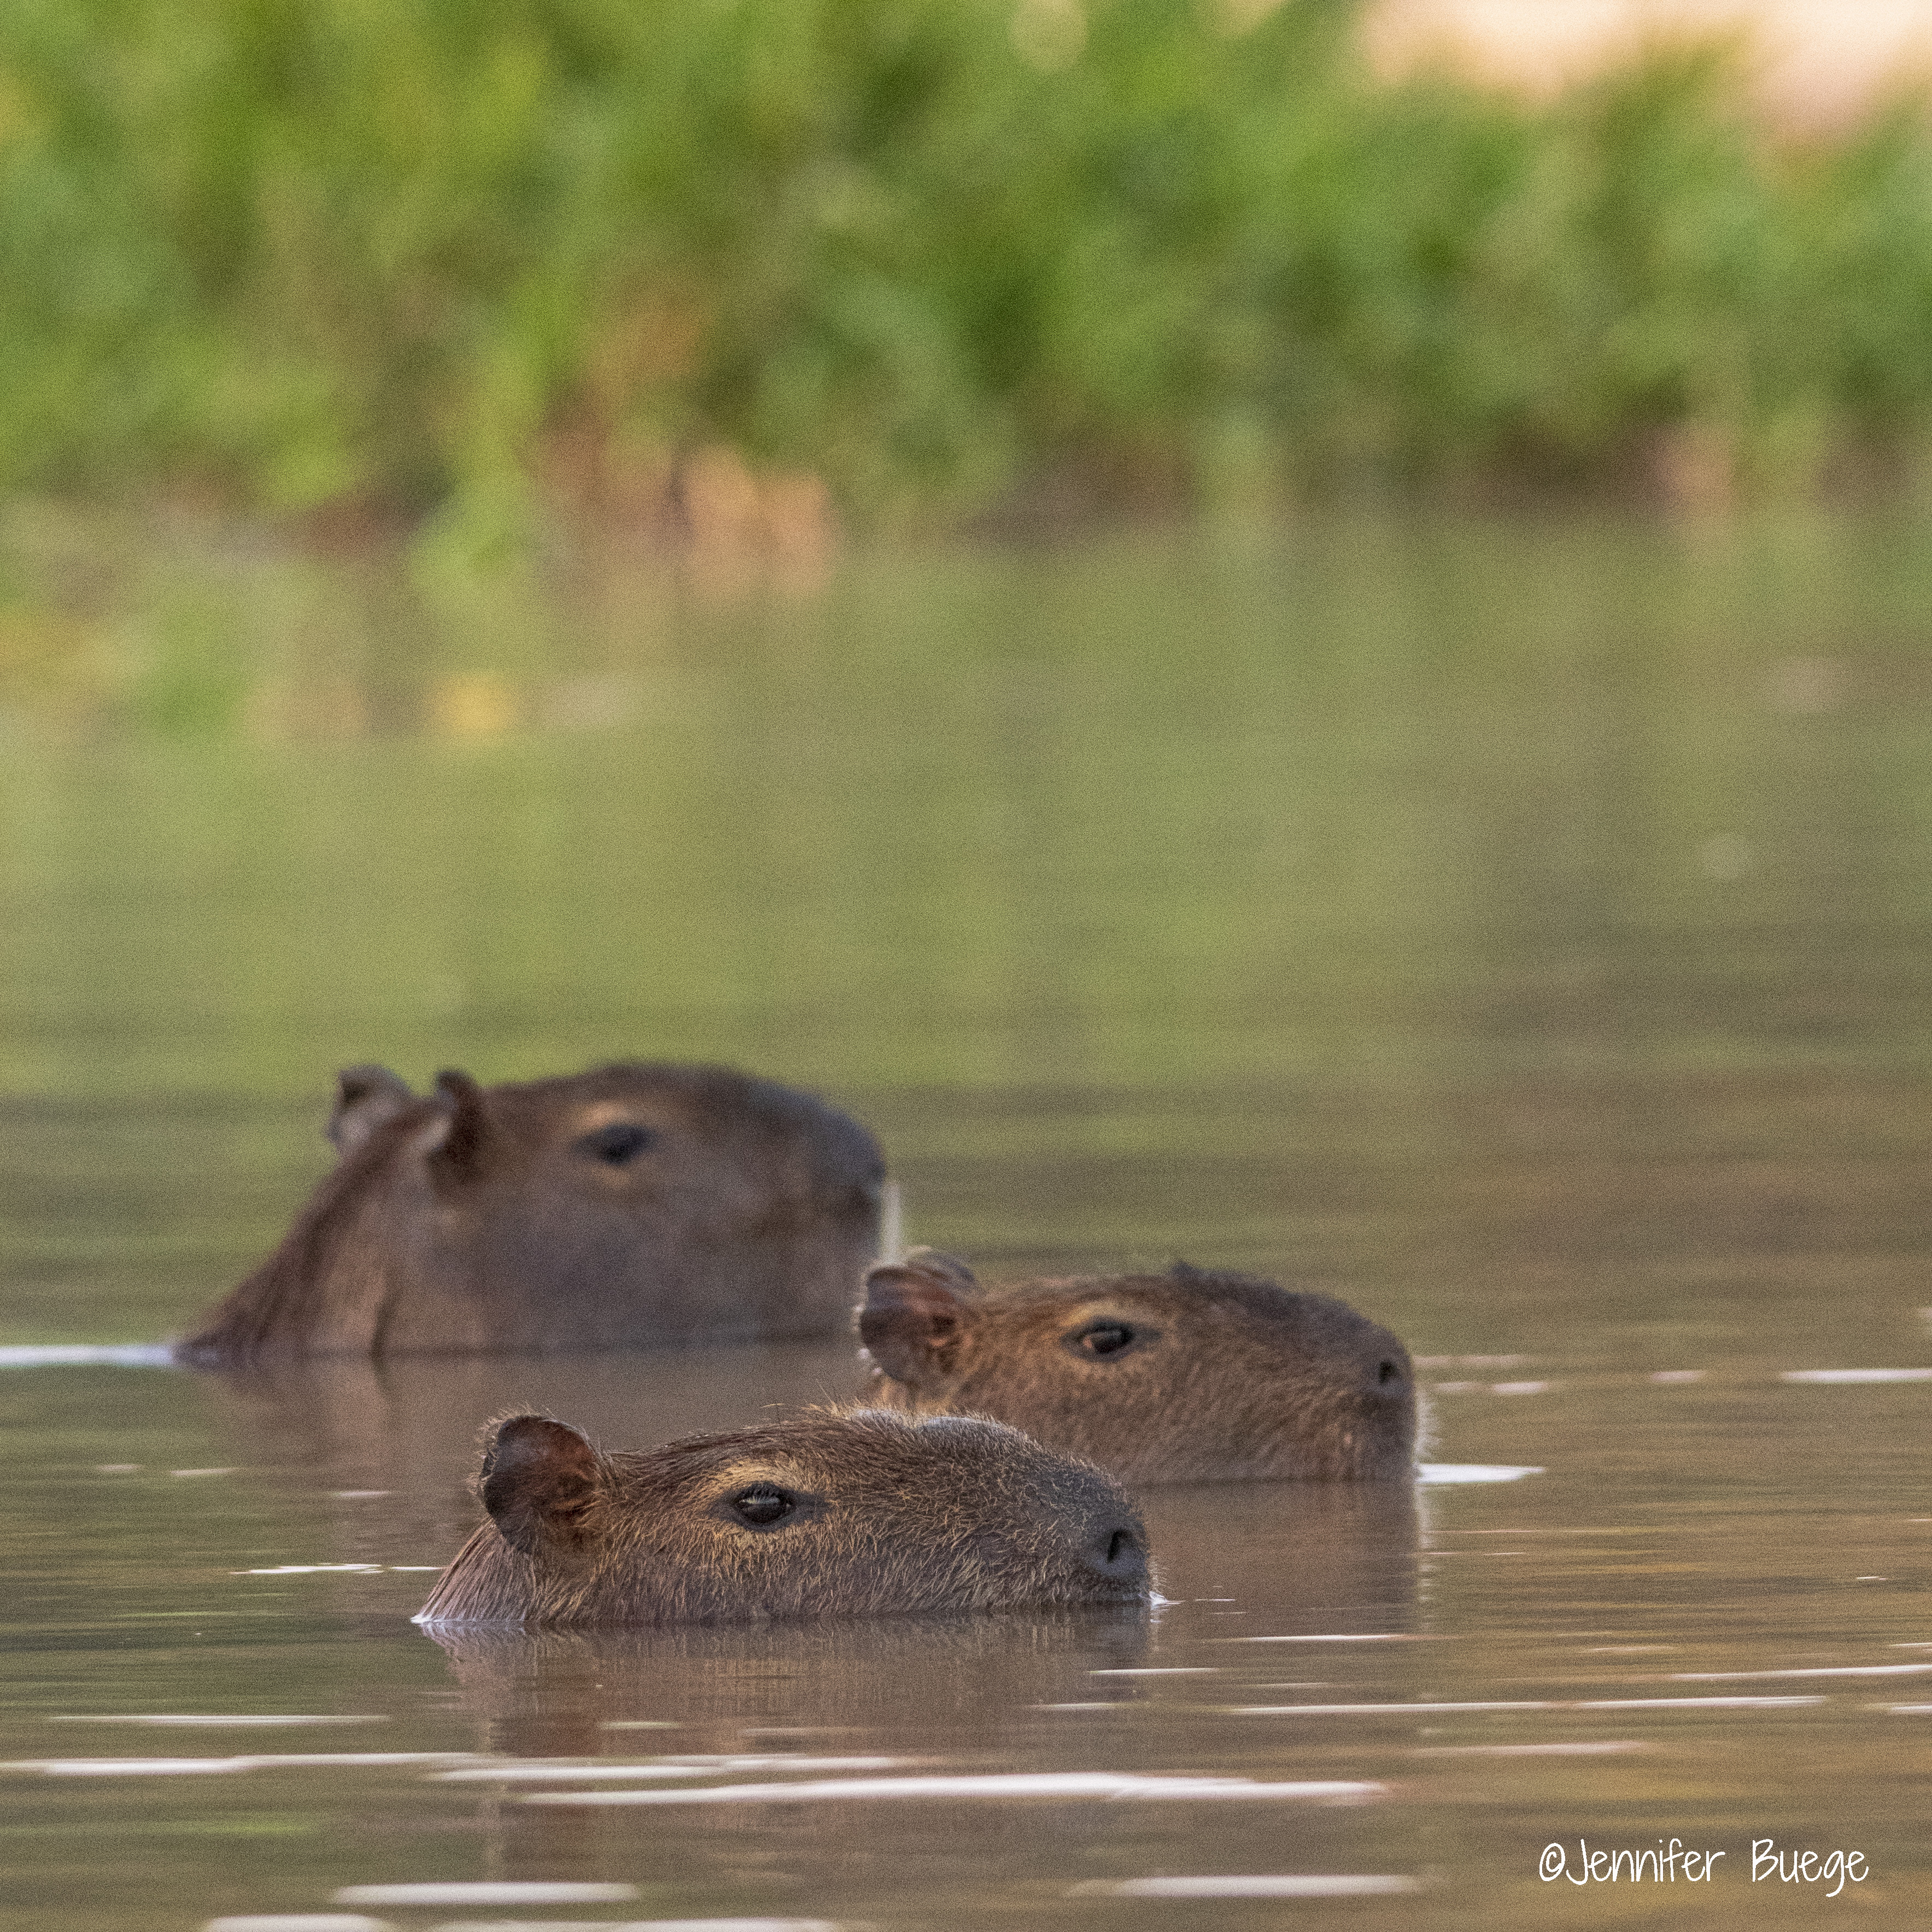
point(853, 1512)
point(1189, 1376)
point(629, 1206)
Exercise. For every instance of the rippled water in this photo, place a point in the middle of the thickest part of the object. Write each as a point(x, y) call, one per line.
point(1524, 933)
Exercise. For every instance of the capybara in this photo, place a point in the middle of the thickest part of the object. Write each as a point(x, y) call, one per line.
point(631, 1205)
point(1186, 1377)
point(837, 1513)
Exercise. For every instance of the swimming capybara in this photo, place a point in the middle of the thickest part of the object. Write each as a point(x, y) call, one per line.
point(631, 1205)
point(850, 1512)
point(1189, 1376)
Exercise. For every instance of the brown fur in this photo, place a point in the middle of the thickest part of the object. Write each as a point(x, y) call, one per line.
point(883, 1515)
point(1221, 1377)
point(486, 1220)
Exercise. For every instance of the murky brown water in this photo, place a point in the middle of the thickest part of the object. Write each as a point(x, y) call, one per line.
point(1524, 934)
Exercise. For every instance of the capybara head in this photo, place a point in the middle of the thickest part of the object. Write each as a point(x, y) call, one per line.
point(852, 1513)
point(631, 1205)
point(1189, 1376)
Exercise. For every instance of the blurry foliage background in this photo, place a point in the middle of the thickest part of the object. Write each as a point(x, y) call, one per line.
point(449, 265)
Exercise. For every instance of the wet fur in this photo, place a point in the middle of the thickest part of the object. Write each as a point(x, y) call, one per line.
point(1249, 1380)
point(327, 1286)
point(949, 1516)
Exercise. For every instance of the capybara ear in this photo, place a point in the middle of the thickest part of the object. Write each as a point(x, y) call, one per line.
point(914, 1313)
point(464, 1153)
point(940, 1266)
point(365, 1097)
point(539, 1479)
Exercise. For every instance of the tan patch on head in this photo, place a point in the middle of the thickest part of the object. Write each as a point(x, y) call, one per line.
point(607, 1114)
point(782, 1472)
point(1115, 1308)
point(1145, 1320)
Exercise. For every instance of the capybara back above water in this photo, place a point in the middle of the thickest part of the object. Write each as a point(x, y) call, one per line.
point(631, 1205)
point(835, 1513)
point(1189, 1376)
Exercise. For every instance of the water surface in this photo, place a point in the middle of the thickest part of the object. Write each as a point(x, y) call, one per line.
point(1522, 931)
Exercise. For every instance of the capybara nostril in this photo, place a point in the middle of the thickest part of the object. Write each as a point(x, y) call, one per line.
point(1121, 1555)
point(1387, 1372)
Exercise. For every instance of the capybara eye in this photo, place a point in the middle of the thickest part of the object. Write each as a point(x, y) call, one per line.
point(618, 1144)
point(762, 1504)
point(1389, 1372)
point(1101, 1338)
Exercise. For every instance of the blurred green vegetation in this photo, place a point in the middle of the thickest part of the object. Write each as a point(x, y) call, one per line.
point(451, 265)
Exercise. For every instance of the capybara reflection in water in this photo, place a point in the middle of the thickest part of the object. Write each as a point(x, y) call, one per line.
point(631, 1205)
point(837, 1513)
point(1189, 1376)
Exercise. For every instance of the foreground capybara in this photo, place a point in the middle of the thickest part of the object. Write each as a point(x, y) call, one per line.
point(853, 1513)
point(1189, 1376)
point(631, 1205)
